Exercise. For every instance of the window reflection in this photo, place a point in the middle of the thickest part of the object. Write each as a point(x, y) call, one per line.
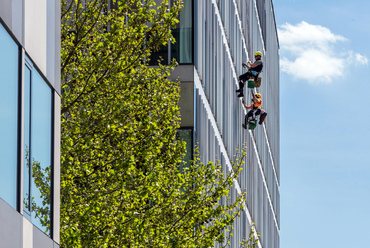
point(37, 141)
point(41, 116)
point(182, 50)
point(27, 123)
point(186, 135)
point(8, 115)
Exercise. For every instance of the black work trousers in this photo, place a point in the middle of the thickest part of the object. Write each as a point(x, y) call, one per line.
point(252, 113)
point(244, 77)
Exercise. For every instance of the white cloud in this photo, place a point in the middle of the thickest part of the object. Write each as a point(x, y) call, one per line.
point(312, 54)
point(362, 60)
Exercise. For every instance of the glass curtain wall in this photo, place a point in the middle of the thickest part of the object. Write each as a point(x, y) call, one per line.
point(35, 98)
point(37, 148)
point(41, 152)
point(9, 82)
point(26, 140)
point(186, 135)
point(182, 49)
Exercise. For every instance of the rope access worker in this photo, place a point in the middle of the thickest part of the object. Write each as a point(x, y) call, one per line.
point(255, 109)
point(253, 71)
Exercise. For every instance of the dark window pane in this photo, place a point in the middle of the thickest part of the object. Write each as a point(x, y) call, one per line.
point(161, 55)
point(8, 115)
point(186, 33)
point(187, 136)
point(182, 50)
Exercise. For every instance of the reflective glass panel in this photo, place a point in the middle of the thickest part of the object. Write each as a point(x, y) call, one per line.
point(8, 115)
point(182, 50)
point(41, 116)
point(160, 55)
point(187, 136)
point(27, 123)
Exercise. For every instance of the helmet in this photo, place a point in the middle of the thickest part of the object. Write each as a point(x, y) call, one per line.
point(258, 53)
point(258, 95)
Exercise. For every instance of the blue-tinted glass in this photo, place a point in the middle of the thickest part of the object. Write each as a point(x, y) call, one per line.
point(26, 168)
point(8, 117)
point(40, 148)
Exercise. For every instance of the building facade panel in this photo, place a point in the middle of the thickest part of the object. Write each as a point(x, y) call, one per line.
point(27, 234)
point(56, 170)
point(53, 44)
point(35, 32)
point(40, 239)
point(6, 12)
point(18, 19)
point(11, 227)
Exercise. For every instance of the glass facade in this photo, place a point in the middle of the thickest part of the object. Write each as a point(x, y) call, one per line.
point(41, 151)
point(27, 138)
point(182, 49)
point(30, 101)
point(186, 135)
point(9, 74)
point(36, 143)
point(37, 147)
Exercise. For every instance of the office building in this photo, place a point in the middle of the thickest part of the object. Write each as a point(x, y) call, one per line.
point(213, 38)
point(30, 123)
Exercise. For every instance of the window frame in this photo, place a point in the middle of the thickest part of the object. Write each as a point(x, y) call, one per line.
point(18, 177)
point(27, 62)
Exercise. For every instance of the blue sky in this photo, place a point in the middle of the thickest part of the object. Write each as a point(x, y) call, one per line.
point(325, 130)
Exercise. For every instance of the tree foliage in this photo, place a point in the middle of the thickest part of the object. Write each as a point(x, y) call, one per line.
point(123, 179)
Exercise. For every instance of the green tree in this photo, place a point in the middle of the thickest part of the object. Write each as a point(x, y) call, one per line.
point(251, 241)
point(123, 179)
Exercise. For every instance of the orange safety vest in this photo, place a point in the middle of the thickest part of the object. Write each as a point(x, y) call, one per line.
point(256, 104)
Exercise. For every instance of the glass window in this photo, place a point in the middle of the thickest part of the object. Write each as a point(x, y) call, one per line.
point(27, 126)
point(37, 128)
point(40, 152)
point(187, 136)
point(182, 50)
point(9, 117)
point(160, 55)
point(37, 148)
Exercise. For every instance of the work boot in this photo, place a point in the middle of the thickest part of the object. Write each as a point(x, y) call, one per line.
point(241, 94)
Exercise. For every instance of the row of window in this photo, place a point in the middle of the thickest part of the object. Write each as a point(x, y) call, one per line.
point(26, 106)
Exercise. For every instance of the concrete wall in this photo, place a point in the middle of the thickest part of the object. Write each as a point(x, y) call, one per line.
point(17, 232)
point(185, 74)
